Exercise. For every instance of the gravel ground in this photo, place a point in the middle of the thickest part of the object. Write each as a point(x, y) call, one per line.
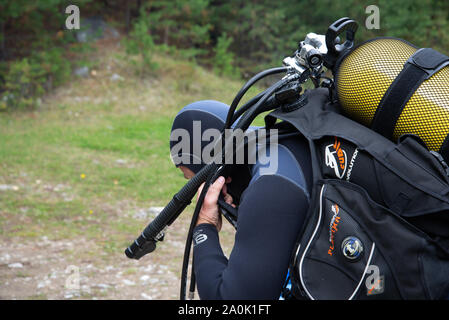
point(41, 270)
point(79, 269)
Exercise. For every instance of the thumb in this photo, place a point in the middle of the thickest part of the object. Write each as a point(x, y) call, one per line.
point(214, 191)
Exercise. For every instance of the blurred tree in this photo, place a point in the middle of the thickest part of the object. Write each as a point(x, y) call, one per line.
point(224, 59)
point(422, 22)
point(23, 22)
point(262, 31)
point(32, 49)
point(182, 24)
point(256, 26)
point(140, 44)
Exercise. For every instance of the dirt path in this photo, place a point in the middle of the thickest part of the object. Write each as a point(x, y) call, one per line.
point(44, 270)
point(78, 269)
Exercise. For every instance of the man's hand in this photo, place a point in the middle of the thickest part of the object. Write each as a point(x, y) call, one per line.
point(209, 211)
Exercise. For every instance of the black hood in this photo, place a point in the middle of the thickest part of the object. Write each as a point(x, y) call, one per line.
point(211, 115)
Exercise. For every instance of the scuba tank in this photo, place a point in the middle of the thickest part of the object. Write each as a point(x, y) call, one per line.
point(395, 89)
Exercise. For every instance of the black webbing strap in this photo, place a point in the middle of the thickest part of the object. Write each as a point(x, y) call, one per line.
point(444, 150)
point(419, 67)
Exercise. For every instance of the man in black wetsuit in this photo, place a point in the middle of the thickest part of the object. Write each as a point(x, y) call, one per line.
point(271, 211)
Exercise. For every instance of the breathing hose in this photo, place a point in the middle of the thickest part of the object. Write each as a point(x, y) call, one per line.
point(245, 88)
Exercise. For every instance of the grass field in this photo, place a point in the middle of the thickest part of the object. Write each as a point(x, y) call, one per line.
point(79, 175)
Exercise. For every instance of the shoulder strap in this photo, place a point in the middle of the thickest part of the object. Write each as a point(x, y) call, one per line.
point(419, 67)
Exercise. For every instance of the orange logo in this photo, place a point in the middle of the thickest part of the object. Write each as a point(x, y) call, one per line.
point(336, 158)
point(333, 227)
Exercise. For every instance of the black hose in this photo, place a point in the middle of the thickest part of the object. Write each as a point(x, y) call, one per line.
point(246, 106)
point(187, 248)
point(259, 107)
point(245, 88)
point(192, 280)
point(146, 242)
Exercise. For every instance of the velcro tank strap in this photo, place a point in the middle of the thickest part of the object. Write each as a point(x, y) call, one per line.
point(419, 67)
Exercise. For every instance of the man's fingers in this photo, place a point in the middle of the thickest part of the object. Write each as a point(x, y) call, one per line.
point(217, 186)
point(200, 189)
point(209, 211)
point(227, 197)
point(214, 191)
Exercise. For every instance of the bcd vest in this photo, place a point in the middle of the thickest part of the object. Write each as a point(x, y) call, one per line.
point(378, 221)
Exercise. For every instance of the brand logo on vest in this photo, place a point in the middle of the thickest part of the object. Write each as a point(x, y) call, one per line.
point(352, 248)
point(351, 163)
point(333, 227)
point(336, 158)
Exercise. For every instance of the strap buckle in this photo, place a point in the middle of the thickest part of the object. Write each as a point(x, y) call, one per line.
point(441, 161)
point(429, 61)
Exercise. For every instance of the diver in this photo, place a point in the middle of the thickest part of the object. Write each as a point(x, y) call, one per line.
point(378, 172)
point(271, 211)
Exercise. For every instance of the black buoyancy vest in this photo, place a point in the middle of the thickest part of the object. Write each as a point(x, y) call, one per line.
point(378, 221)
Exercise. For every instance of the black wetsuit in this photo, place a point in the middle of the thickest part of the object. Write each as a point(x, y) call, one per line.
point(271, 213)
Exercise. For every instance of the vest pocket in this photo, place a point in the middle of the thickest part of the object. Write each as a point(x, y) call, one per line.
point(341, 253)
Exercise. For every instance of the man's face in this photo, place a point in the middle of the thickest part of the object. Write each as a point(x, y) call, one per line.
point(188, 174)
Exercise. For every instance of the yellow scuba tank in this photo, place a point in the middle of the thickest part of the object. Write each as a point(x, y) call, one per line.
point(395, 88)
